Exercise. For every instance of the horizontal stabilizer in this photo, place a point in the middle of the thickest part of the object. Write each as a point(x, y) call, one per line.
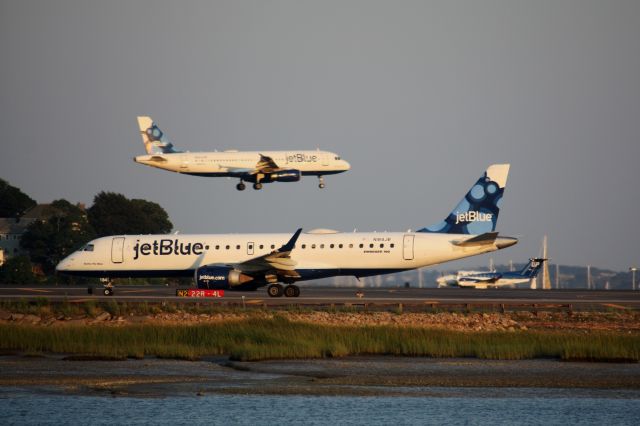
point(486, 238)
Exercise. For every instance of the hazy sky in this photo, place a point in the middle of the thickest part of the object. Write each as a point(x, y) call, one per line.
point(419, 96)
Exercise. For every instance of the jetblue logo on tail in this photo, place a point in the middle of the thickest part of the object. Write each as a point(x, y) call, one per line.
point(477, 212)
point(473, 216)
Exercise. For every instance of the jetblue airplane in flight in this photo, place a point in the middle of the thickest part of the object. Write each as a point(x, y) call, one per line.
point(249, 261)
point(484, 280)
point(248, 166)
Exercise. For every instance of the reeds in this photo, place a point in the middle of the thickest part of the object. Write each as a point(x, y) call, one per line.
point(278, 338)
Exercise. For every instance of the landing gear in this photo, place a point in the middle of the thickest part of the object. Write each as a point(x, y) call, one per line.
point(257, 186)
point(320, 182)
point(241, 186)
point(292, 291)
point(107, 290)
point(275, 290)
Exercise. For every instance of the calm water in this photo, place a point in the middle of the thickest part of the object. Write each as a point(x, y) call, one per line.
point(446, 406)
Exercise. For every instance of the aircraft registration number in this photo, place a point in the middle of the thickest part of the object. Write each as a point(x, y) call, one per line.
point(194, 292)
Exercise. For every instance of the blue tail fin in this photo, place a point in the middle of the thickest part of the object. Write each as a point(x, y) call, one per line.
point(155, 142)
point(532, 268)
point(478, 211)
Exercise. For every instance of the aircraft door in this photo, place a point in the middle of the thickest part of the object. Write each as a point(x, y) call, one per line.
point(250, 246)
point(325, 159)
point(117, 248)
point(407, 247)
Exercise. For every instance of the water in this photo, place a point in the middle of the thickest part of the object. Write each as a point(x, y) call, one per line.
point(465, 406)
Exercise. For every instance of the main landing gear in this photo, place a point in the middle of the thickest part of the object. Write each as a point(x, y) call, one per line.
point(321, 182)
point(277, 290)
point(241, 186)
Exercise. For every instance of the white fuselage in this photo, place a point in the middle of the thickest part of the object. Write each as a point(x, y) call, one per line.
point(316, 255)
point(235, 163)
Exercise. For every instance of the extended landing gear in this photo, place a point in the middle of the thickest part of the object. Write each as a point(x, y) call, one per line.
point(241, 186)
point(107, 288)
point(276, 290)
point(320, 182)
point(257, 186)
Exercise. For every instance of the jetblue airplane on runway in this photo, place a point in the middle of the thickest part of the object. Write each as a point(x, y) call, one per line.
point(249, 261)
point(483, 280)
point(248, 166)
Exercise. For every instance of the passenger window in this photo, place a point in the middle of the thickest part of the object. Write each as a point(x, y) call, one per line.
point(273, 246)
point(361, 245)
point(227, 247)
point(217, 247)
point(371, 245)
point(350, 245)
point(321, 246)
point(331, 246)
point(391, 245)
point(339, 245)
point(261, 246)
point(238, 247)
point(304, 246)
point(313, 246)
point(381, 245)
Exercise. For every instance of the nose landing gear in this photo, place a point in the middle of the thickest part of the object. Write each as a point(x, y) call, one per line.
point(320, 181)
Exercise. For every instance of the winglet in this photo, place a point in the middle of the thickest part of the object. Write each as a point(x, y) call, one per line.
point(292, 242)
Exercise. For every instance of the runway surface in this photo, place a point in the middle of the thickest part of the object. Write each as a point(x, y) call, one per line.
point(310, 295)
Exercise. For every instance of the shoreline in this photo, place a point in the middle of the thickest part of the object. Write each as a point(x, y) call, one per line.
point(348, 376)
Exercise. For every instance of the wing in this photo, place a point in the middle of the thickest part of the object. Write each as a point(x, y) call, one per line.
point(489, 279)
point(278, 262)
point(265, 165)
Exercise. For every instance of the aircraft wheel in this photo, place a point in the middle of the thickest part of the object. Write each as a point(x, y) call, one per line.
point(290, 291)
point(297, 290)
point(321, 185)
point(107, 291)
point(275, 290)
point(240, 187)
point(257, 186)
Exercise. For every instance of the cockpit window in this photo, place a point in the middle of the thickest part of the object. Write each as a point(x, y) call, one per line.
point(88, 247)
point(337, 158)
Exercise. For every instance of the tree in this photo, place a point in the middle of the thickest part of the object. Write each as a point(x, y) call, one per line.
point(50, 240)
point(114, 214)
point(13, 202)
point(17, 270)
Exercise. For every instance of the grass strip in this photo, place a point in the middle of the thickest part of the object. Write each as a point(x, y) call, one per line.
point(260, 339)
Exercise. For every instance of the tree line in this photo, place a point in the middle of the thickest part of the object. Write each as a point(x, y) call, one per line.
point(66, 227)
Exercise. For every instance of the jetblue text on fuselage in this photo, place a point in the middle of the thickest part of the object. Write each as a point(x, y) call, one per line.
point(473, 216)
point(166, 247)
point(302, 158)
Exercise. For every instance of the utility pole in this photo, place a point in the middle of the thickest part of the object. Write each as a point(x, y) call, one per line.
point(589, 277)
point(633, 270)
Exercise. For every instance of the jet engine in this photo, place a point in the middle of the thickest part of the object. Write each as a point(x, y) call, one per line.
point(220, 277)
point(285, 176)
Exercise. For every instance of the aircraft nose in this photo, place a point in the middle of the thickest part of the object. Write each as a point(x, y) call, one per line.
point(504, 242)
point(346, 165)
point(64, 264)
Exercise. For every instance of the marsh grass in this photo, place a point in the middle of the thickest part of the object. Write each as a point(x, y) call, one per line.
point(277, 338)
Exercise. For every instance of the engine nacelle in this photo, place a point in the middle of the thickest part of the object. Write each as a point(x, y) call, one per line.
point(285, 176)
point(220, 277)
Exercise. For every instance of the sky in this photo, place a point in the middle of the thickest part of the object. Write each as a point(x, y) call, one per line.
point(419, 96)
